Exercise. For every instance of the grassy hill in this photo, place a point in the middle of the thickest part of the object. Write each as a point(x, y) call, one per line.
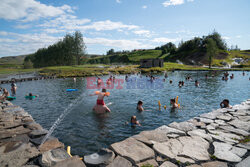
point(12, 60)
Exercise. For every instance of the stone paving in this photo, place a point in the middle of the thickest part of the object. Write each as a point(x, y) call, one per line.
point(216, 139)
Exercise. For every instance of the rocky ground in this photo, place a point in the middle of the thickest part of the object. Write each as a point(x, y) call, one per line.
point(220, 138)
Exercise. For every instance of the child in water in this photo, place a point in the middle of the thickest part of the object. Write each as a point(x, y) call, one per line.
point(173, 103)
point(134, 122)
point(4, 95)
point(139, 106)
point(225, 104)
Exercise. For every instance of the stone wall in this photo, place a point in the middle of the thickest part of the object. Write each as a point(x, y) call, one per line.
point(216, 139)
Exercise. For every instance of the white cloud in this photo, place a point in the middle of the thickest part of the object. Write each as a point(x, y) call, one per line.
point(145, 33)
point(238, 36)
point(30, 10)
point(144, 7)
point(118, 1)
point(173, 2)
point(225, 37)
point(165, 40)
point(190, 0)
point(118, 43)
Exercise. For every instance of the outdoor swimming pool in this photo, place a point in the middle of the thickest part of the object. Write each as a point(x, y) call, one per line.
point(86, 132)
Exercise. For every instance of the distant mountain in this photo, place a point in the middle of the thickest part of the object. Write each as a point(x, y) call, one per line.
point(13, 60)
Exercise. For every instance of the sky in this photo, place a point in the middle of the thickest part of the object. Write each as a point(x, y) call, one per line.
point(27, 25)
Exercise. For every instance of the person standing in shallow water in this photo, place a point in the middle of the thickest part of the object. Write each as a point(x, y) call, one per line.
point(100, 106)
point(13, 87)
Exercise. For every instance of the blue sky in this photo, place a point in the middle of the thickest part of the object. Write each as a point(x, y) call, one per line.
point(27, 25)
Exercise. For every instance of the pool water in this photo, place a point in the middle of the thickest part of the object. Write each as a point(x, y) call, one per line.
point(86, 132)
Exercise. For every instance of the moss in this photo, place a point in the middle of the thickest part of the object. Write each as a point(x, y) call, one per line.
point(147, 165)
point(213, 157)
point(245, 140)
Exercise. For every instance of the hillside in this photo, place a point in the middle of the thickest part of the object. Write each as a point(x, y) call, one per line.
point(12, 60)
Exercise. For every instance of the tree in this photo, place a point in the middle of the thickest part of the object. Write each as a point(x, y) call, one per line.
point(110, 52)
point(28, 64)
point(211, 50)
point(79, 46)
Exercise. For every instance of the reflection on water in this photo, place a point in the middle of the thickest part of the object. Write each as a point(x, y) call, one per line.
point(86, 132)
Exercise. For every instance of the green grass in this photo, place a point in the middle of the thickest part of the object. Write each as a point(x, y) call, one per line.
point(146, 54)
point(245, 140)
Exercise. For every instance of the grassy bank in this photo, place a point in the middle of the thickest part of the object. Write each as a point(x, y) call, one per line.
point(101, 69)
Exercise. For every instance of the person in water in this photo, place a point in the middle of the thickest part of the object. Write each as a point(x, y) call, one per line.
point(100, 106)
point(13, 87)
point(173, 103)
point(31, 95)
point(5, 94)
point(134, 122)
point(225, 104)
point(197, 83)
point(139, 106)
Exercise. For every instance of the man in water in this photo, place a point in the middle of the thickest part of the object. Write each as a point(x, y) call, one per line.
point(225, 104)
point(13, 87)
point(100, 106)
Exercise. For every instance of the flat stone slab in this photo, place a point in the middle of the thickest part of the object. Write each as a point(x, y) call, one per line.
point(240, 124)
point(228, 152)
point(149, 137)
point(220, 122)
point(50, 144)
point(224, 117)
point(169, 130)
point(197, 124)
point(205, 120)
point(151, 162)
point(183, 126)
point(133, 150)
point(234, 130)
point(244, 145)
point(168, 164)
point(201, 133)
point(211, 115)
point(244, 163)
point(16, 153)
point(71, 162)
point(227, 135)
point(194, 147)
point(245, 118)
point(120, 162)
point(102, 157)
point(37, 133)
point(214, 164)
point(6, 133)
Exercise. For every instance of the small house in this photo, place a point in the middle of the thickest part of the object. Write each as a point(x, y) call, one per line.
point(148, 63)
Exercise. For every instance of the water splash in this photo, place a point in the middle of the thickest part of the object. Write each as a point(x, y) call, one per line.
point(62, 116)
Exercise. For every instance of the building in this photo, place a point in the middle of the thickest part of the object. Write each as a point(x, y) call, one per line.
point(148, 63)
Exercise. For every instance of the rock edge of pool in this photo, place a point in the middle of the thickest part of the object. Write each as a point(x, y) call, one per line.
point(219, 138)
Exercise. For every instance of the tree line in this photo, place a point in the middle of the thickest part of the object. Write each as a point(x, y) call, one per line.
point(67, 51)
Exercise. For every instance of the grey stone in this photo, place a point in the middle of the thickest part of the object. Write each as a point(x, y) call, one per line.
point(225, 152)
point(13, 132)
point(228, 135)
point(240, 124)
point(183, 126)
point(239, 151)
point(148, 162)
point(71, 162)
point(153, 135)
point(239, 113)
point(210, 115)
point(37, 133)
point(18, 138)
point(201, 133)
point(214, 164)
point(103, 157)
point(168, 164)
point(244, 163)
point(205, 120)
point(244, 145)
point(16, 153)
point(194, 165)
point(197, 124)
point(34, 126)
point(220, 122)
point(224, 117)
point(194, 147)
point(224, 139)
point(51, 144)
point(234, 130)
point(134, 150)
point(120, 162)
point(169, 130)
point(212, 126)
point(245, 118)
point(172, 135)
point(50, 158)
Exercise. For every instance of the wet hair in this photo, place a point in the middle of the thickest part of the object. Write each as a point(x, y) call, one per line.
point(172, 100)
point(103, 90)
point(226, 100)
point(30, 94)
point(133, 117)
point(139, 102)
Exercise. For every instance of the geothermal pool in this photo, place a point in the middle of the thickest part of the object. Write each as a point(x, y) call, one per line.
point(86, 132)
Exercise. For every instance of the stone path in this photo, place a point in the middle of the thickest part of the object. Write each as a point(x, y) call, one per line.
point(216, 139)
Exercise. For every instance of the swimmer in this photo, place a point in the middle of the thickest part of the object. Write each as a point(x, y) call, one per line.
point(197, 84)
point(225, 104)
point(30, 95)
point(99, 81)
point(170, 81)
point(232, 76)
point(74, 79)
point(134, 122)
point(100, 106)
point(139, 106)
point(243, 73)
point(173, 103)
point(13, 87)
point(4, 95)
point(180, 84)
